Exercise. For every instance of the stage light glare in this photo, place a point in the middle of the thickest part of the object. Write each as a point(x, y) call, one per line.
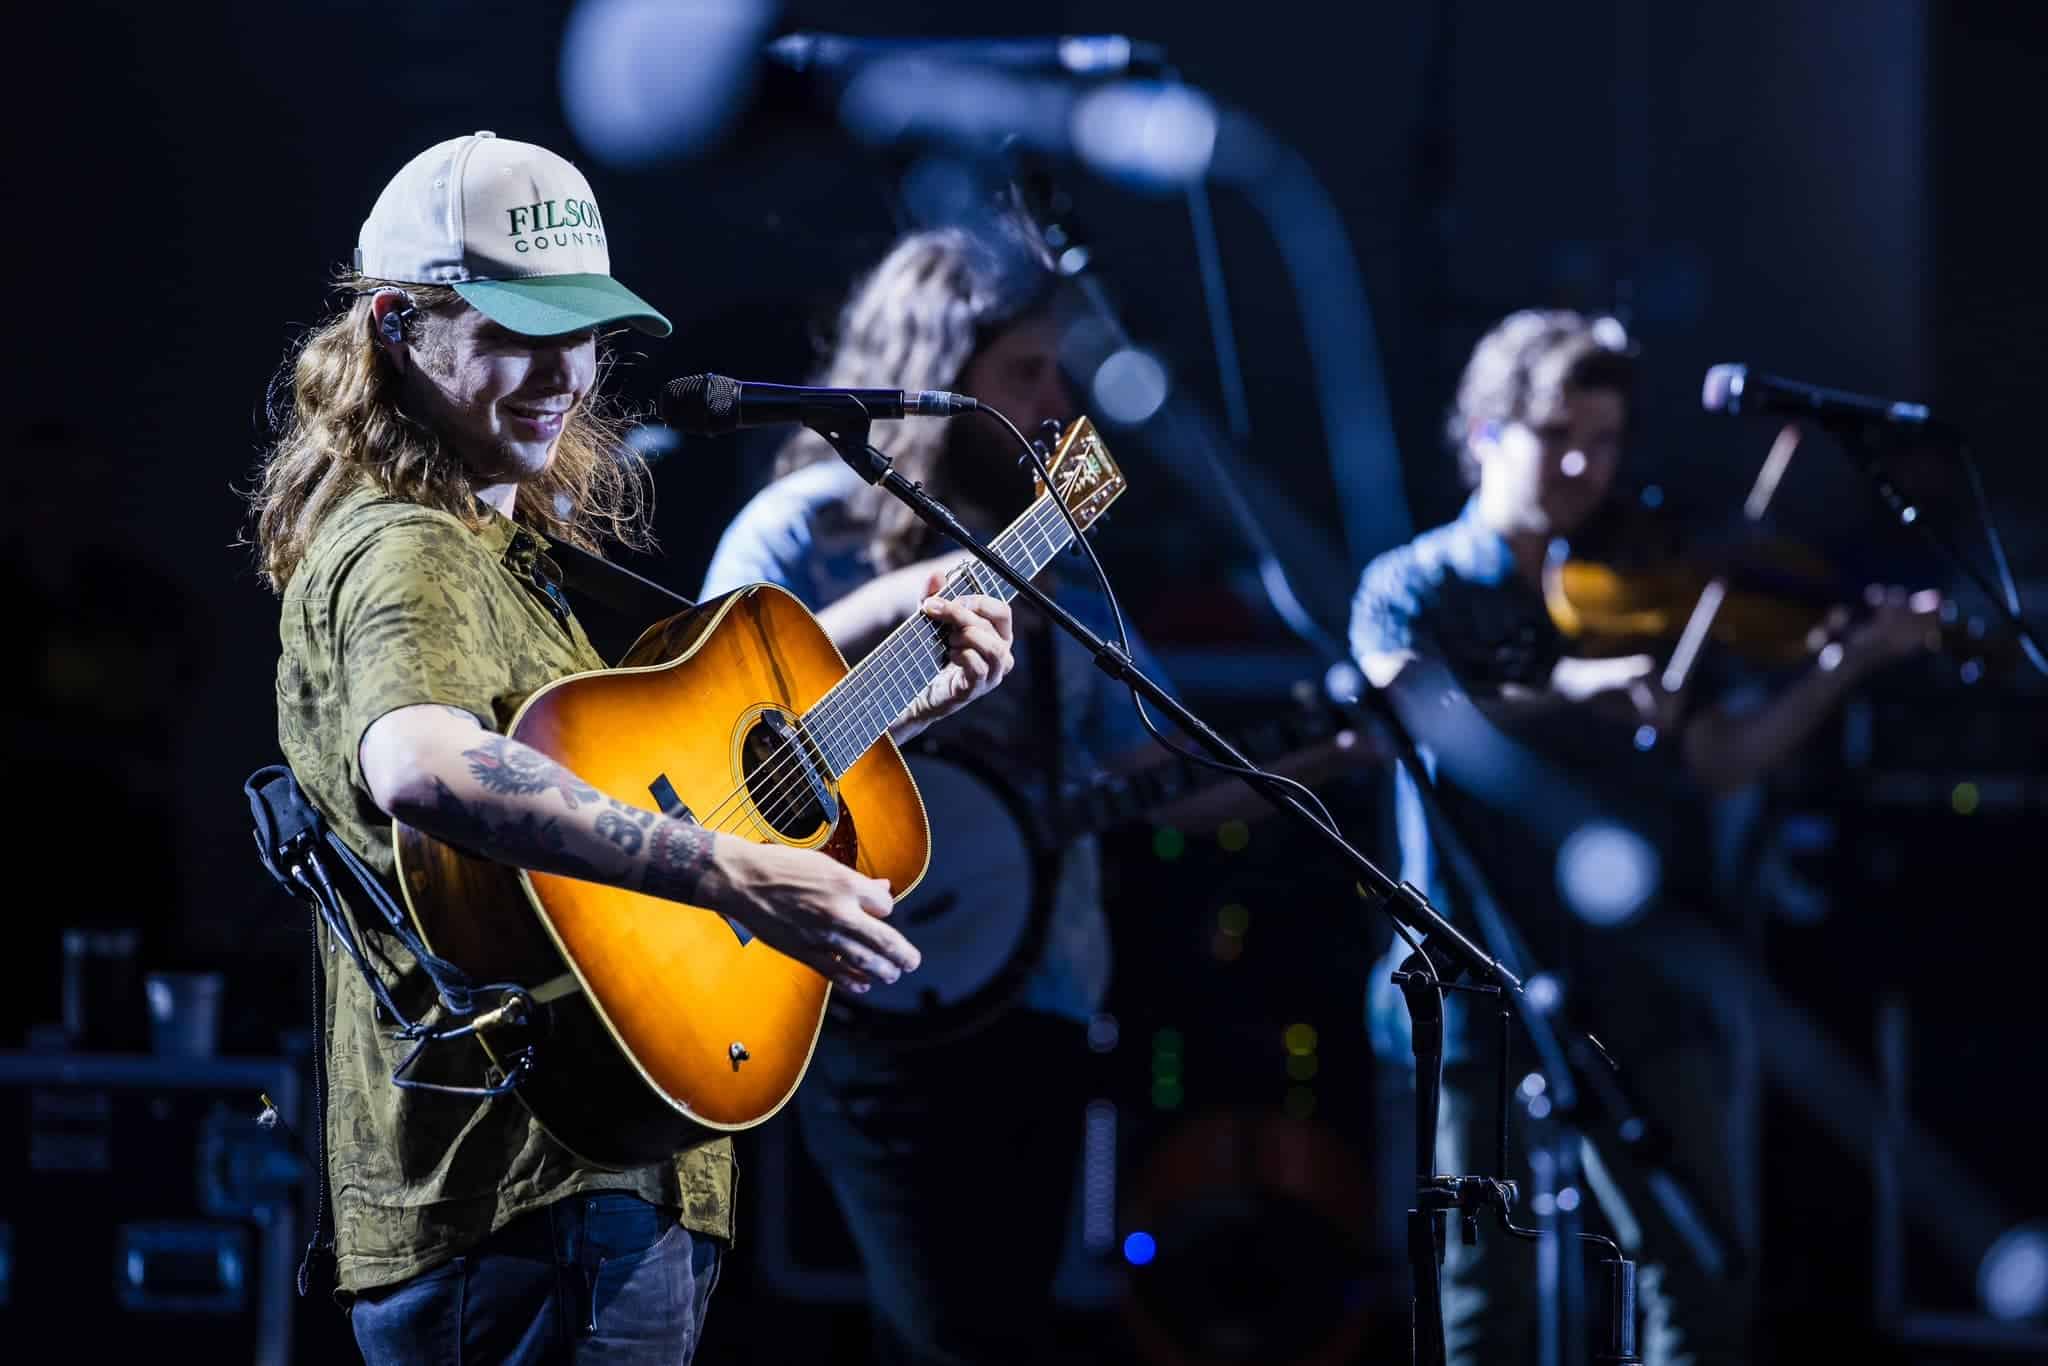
point(644, 81)
point(1145, 135)
point(1129, 385)
point(2012, 1280)
point(1542, 993)
point(1606, 873)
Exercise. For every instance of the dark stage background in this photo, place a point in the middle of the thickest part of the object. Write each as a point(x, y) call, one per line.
point(1836, 192)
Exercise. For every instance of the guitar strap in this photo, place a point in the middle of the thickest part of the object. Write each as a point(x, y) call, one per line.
point(614, 586)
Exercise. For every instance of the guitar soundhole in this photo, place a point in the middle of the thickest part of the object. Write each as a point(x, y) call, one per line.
point(786, 778)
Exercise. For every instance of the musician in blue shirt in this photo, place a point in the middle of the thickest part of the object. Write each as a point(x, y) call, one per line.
point(954, 1178)
point(1536, 753)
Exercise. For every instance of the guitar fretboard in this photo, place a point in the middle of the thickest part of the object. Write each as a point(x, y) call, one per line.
point(848, 720)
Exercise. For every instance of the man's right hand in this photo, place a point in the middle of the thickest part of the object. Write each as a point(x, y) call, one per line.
point(811, 907)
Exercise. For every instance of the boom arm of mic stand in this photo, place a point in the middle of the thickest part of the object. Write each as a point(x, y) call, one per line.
point(1861, 439)
point(1441, 939)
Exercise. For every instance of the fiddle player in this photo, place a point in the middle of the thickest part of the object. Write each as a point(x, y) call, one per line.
point(1456, 619)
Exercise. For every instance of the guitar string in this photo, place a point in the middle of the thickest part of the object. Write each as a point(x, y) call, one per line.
point(893, 662)
point(891, 665)
point(842, 719)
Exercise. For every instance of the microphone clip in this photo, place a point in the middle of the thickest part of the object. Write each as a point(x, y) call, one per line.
point(845, 429)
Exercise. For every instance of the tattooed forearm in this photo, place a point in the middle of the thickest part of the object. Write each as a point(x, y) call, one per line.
point(677, 855)
point(639, 815)
point(527, 840)
point(507, 767)
point(622, 830)
point(505, 802)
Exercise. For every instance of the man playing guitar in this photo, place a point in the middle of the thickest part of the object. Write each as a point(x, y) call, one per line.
point(441, 425)
point(953, 1171)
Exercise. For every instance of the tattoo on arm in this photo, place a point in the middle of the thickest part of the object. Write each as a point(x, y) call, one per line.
point(639, 815)
point(622, 830)
point(677, 855)
point(526, 841)
point(509, 768)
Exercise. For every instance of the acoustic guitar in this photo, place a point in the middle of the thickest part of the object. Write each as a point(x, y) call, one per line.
point(662, 1024)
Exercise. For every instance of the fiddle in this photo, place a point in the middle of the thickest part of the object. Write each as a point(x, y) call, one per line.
point(1639, 581)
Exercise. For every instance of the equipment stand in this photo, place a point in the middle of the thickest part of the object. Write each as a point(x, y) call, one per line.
point(1442, 953)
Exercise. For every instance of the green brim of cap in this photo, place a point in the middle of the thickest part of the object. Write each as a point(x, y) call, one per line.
point(545, 305)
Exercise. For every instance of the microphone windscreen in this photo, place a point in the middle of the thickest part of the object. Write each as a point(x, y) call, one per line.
point(702, 405)
point(1722, 392)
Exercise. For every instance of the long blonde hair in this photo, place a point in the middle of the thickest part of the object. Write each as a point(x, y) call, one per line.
point(335, 404)
point(914, 322)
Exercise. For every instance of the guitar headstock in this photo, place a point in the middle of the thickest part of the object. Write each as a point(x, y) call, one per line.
point(1087, 478)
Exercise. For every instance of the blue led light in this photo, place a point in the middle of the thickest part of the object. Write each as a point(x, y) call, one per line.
point(1139, 1249)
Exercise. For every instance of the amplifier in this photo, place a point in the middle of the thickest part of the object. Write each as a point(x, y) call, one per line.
point(141, 1205)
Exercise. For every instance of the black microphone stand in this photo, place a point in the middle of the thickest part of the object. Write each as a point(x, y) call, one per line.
point(1863, 438)
point(1443, 954)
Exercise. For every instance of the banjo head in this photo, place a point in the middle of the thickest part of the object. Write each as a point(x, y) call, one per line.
point(978, 916)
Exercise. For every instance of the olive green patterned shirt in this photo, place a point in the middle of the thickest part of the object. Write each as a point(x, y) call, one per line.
point(396, 605)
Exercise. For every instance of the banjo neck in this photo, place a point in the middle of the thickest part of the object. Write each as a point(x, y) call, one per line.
point(1108, 800)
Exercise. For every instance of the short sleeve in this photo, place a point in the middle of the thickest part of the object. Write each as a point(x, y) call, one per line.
point(409, 630)
point(766, 543)
point(1387, 608)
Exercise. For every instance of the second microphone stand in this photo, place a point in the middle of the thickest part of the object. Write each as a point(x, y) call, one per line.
point(1444, 958)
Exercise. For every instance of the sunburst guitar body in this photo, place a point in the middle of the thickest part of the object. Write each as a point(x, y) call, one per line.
point(662, 1024)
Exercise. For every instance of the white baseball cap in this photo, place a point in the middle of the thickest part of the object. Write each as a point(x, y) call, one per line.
point(512, 227)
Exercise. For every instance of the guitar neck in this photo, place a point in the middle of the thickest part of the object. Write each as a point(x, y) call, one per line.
point(1110, 800)
point(846, 722)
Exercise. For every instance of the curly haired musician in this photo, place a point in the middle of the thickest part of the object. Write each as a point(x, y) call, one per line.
point(441, 426)
point(953, 1159)
point(1455, 624)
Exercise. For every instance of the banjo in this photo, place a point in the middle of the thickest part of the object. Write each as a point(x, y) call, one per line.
point(981, 913)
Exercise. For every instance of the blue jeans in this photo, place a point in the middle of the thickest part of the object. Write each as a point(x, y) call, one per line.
point(595, 1277)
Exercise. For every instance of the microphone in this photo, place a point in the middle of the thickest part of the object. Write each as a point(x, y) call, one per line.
point(711, 405)
point(1731, 389)
point(1102, 54)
